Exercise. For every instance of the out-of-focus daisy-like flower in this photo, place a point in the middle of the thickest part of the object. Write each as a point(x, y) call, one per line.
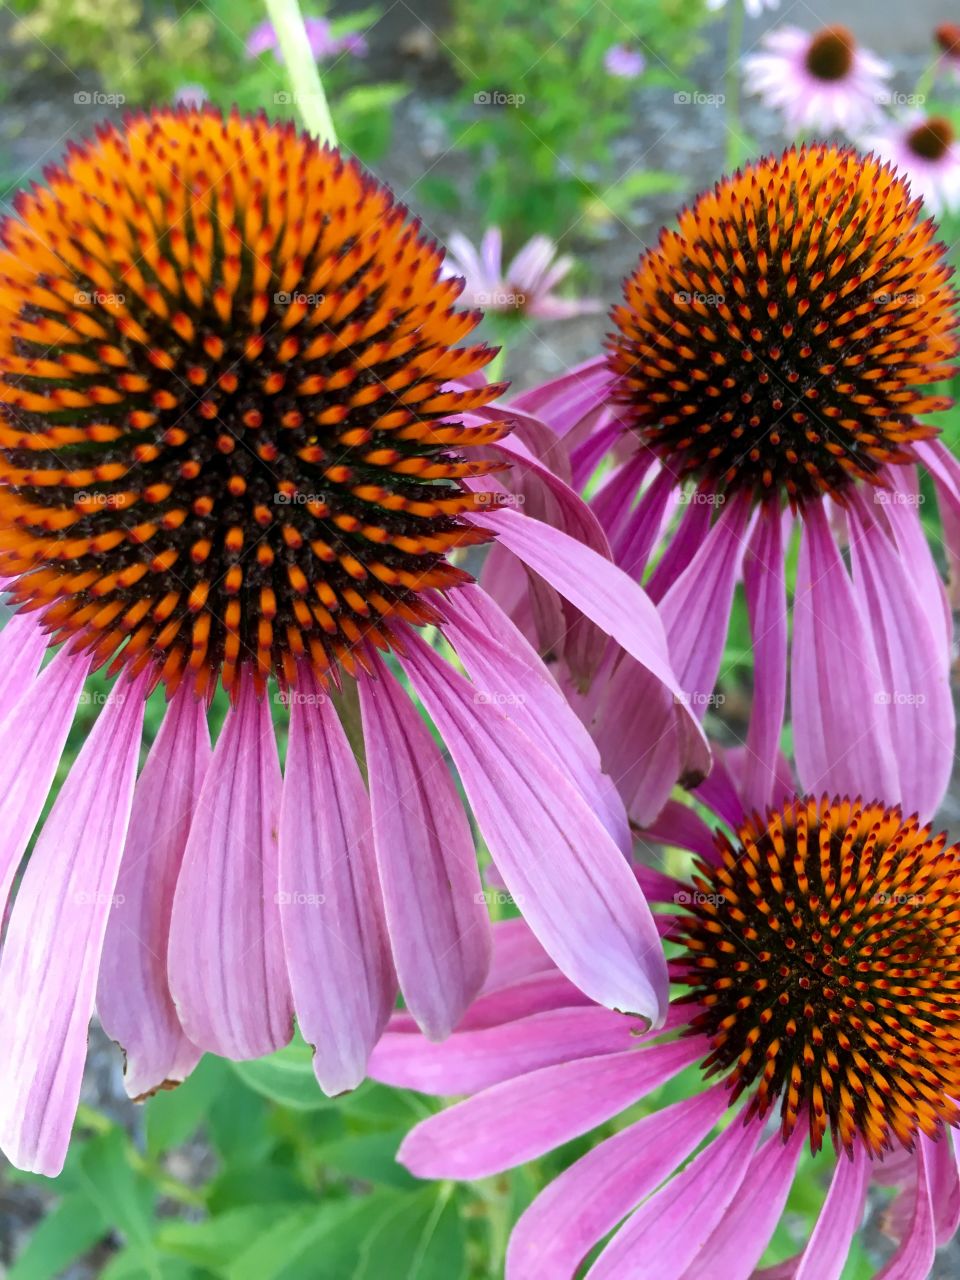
point(323, 43)
point(624, 61)
point(753, 8)
point(925, 150)
point(824, 80)
point(525, 287)
point(190, 95)
point(947, 36)
point(816, 961)
point(238, 443)
point(768, 376)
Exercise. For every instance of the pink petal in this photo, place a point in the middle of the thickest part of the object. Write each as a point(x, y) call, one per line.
point(562, 402)
point(331, 909)
point(32, 737)
point(944, 1176)
point(548, 1107)
point(48, 969)
point(474, 1060)
point(511, 675)
point(668, 1231)
point(914, 664)
point(569, 879)
point(914, 1257)
point(682, 826)
point(738, 1242)
point(826, 1252)
point(765, 586)
point(435, 906)
point(22, 646)
point(226, 962)
point(841, 741)
point(517, 954)
point(133, 996)
point(588, 1200)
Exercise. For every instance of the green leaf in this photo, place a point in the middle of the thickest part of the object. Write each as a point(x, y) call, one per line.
point(324, 1240)
point(421, 1238)
point(124, 1197)
point(136, 1264)
point(217, 1241)
point(286, 1077)
point(371, 1157)
point(68, 1231)
point(174, 1115)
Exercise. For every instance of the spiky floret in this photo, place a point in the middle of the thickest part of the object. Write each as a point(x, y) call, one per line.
point(225, 358)
point(779, 338)
point(823, 953)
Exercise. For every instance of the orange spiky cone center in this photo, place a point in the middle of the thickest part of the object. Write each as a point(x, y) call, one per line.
point(225, 410)
point(782, 339)
point(823, 957)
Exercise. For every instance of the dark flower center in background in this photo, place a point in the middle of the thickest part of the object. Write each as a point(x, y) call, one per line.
point(223, 352)
point(824, 955)
point(932, 139)
point(777, 339)
point(948, 38)
point(830, 55)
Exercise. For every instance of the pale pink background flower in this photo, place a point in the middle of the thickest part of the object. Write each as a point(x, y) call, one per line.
point(526, 285)
point(925, 150)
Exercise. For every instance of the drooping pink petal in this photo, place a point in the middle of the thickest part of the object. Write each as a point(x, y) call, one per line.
point(510, 675)
point(943, 1171)
point(613, 502)
point(517, 954)
point(474, 1060)
point(841, 741)
point(32, 736)
point(562, 402)
point(225, 958)
point(669, 1230)
point(435, 905)
point(588, 1200)
point(133, 996)
point(719, 792)
point(682, 546)
point(765, 587)
point(22, 646)
point(739, 1240)
point(915, 696)
point(914, 1257)
point(682, 826)
point(645, 524)
point(696, 607)
point(826, 1252)
point(48, 968)
point(548, 1107)
point(331, 910)
point(569, 879)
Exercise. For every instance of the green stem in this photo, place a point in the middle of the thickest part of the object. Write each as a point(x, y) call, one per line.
point(731, 81)
point(302, 69)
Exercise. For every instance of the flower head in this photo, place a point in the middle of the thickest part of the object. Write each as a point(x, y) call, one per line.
point(816, 967)
point(924, 150)
point(238, 444)
point(525, 287)
point(781, 337)
point(822, 81)
point(947, 36)
point(625, 62)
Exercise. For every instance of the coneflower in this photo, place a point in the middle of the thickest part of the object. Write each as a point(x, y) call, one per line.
point(772, 367)
point(816, 965)
point(236, 440)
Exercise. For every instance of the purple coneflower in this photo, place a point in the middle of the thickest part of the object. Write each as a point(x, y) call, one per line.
point(235, 443)
point(525, 287)
point(947, 36)
point(323, 43)
point(816, 963)
point(624, 61)
point(767, 375)
point(923, 149)
point(823, 81)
